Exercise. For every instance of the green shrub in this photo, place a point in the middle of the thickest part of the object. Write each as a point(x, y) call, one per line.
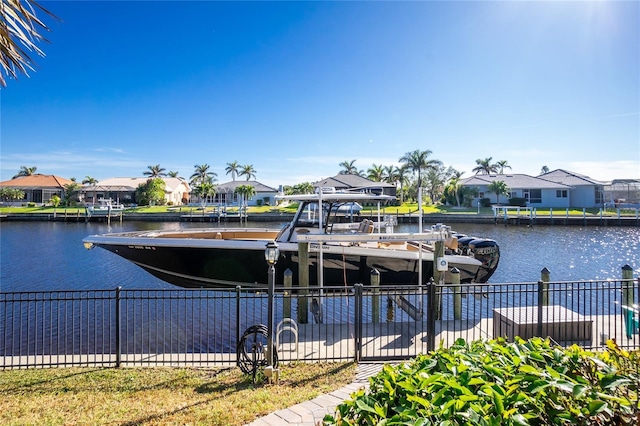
point(518, 201)
point(499, 383)
point(485, 202)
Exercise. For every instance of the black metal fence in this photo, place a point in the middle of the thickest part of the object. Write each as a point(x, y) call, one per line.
point(203, 327)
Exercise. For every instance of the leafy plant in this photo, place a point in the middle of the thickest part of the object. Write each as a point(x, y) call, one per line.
point(499, 383)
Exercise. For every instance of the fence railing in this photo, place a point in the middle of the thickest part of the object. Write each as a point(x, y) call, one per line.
point(203, 327)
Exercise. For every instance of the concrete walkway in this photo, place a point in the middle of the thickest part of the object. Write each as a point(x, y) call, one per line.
point(309, 413)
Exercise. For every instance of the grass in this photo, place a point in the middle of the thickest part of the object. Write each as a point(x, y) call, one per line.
point(158, 396)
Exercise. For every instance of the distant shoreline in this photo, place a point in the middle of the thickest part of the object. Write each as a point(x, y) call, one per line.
point(428, 218)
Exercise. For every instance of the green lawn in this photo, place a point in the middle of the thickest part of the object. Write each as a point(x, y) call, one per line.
point(158, 396)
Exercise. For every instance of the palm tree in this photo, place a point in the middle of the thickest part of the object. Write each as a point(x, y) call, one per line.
point(248, 171)
point(499, 188)
point(19, 34)
point(204, 190)
point(245, 192)
point(302, 188)
point(401, 179)
point(88, 180)
point(501, 165)
point(202, 175)
point(26, 171)
point(376, 173)
point(417, 161)
point(484, 167)
point(349, 168)
point(69, 189)
point(155, 171)
point(233, 168)
point(454, 185)
point(435, 179)
point(173, 174)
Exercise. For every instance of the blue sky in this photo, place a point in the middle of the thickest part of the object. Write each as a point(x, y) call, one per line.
point(295, 88)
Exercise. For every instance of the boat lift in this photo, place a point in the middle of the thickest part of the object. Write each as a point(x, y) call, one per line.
point(438, 233)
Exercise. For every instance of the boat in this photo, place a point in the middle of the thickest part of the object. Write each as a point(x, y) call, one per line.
point(105, 207)
point(348, 247)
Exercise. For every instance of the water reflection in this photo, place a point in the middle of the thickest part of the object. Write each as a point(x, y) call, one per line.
point(50, 256)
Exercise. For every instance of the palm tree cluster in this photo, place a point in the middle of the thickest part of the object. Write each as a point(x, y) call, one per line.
point(417, 170)
point(485, 167)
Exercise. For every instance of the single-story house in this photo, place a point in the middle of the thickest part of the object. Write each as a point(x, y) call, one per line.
point(585, 192)
point(226, 193)
point(123, 190)
point(536, 192)
point(351, 182)
point(38, 188)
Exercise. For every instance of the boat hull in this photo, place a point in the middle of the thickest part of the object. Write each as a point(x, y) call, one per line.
point(214, 267)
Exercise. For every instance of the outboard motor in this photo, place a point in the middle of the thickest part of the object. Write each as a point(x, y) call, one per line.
point(487, 252)
point(463, 244)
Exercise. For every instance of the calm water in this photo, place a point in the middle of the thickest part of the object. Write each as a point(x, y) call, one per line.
point(50, 256)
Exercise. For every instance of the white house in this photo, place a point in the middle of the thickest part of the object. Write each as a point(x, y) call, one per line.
point(226, 193)
point(123, 190)
point(351, 182)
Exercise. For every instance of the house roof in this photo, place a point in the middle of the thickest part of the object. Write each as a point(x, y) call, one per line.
point(513, 181)
point(569, 178)
point(351, 181)
point(132, 183)
point(37, 181)
point(232, 185)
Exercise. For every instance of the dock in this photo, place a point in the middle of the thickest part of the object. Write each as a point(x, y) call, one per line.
point(335, 342)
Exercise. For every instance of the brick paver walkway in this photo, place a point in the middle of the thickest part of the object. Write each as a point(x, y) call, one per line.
point(309, 413)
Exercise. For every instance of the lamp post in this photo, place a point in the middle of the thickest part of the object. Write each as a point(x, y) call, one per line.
point(271, 254)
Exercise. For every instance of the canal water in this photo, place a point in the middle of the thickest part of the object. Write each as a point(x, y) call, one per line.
point(49, 256)
point(44, 256)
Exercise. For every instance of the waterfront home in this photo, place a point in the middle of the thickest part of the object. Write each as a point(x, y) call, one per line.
point(556, 189)
point(123, 190)
point(226, 193)
point(37, 188)
point(351, 182)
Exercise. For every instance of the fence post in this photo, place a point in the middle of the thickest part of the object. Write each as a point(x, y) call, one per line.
point(303, 282)
point(238, 331)
point(457, 294)
point(438, 276)
point(118, 330)
point(545, 277)
point(431, 316)
point(375, 299)
point(358, 322)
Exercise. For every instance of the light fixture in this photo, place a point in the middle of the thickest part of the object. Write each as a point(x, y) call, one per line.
point(271, 253)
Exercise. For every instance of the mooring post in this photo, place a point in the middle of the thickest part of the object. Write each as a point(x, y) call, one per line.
point(286, 300)
point(303, 282)
point(628, 299)
point(375, 299)
point(438, 277)
point(628, 294)
point(457, 294)
point(545, 277)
